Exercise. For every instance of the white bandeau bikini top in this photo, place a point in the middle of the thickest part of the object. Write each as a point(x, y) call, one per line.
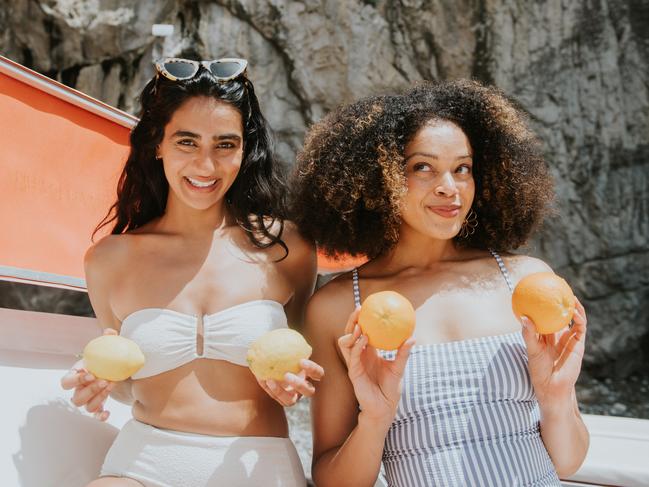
point(168, 339)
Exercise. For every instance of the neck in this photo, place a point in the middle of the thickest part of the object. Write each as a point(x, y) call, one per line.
point(418, 251)
point(181, 219)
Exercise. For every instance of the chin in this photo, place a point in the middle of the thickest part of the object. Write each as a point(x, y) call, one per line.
point(447, 236)
point(204, 206)
point(443, 233)
point(199, 204)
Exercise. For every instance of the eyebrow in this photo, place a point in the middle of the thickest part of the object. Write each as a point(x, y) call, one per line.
point(192, 135)
point(433, 156)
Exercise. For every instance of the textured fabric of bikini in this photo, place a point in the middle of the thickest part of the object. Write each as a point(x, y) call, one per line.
point(168, 338)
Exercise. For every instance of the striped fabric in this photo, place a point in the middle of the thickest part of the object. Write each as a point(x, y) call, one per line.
point(467, 416)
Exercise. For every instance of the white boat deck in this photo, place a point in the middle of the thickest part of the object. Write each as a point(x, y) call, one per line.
point(46, 442)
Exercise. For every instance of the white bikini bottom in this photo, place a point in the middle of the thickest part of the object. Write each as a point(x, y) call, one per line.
point(164, 458)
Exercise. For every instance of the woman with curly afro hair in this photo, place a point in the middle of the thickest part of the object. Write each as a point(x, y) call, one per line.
point(436, 187)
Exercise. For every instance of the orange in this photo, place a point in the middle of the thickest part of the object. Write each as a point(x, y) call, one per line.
point(112, 357)
point(387, 318)
point(546, 299)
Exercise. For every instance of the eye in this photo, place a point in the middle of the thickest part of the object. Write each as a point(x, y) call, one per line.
point(225, 145)
point(464, 169)
point(187, 142)
point(422, 167)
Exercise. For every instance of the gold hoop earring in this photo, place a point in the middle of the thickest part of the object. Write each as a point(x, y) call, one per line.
point(469, 225)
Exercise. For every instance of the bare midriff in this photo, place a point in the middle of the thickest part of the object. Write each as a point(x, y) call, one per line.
point(211, 397)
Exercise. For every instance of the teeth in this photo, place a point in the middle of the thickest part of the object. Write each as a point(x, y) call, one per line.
point(200, 184)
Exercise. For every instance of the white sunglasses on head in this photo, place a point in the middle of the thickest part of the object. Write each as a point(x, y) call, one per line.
point(178, 69)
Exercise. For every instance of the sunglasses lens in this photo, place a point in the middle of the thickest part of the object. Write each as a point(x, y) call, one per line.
point(226, 69)
point(180, 70)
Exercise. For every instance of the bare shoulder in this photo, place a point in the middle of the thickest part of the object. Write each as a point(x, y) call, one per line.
point(520, 266)
point(103, 263)
point(329, 308)
point(300, 264)
point(299, 248)
point(105, 251)
point(107, 256)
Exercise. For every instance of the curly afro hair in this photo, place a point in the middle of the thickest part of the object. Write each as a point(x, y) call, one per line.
point(349, 178)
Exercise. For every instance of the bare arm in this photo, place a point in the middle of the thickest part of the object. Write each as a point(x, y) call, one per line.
point(554, 362)
point(89, 391)
point(562, 429)
point(565, 435)
point(99, 268)
point(299, 267)
point(348, 444)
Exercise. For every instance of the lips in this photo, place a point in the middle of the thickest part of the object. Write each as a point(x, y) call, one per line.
point(202, 185)
point(450, 211)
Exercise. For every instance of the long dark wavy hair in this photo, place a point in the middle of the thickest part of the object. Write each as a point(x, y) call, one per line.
point(256, 199)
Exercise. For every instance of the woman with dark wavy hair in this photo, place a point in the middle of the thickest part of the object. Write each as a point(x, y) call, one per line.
point(200, 262)
point(436, 187)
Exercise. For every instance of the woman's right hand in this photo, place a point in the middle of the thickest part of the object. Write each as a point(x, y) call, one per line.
point(88, 390)
point(376, 381)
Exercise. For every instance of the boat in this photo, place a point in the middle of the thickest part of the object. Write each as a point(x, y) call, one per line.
point(62, 153)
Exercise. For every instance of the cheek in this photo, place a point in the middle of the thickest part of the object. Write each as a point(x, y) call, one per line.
point(169, 166)
point(411, 202)
point(417, 188)
point(233, 164)
point(467, 192)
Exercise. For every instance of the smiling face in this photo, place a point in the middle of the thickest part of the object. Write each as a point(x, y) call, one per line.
point(201, 151)
point(440, 180)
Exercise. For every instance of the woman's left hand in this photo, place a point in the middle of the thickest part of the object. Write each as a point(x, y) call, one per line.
point(554, 360)
point(289, 391)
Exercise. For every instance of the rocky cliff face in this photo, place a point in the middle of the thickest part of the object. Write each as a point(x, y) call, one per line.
point(579, 68)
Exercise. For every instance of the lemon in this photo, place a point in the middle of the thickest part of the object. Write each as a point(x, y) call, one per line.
point(112, 357)
point(277, 352)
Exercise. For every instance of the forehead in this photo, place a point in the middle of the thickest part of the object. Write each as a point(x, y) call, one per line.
point(440, 137)
point(206, 115)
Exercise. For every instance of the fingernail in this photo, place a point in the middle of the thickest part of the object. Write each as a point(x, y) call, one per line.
point(271, 384)
point(102, 383)
point(89, 377)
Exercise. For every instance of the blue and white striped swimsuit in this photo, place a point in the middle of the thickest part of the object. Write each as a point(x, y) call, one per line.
point(467, 416)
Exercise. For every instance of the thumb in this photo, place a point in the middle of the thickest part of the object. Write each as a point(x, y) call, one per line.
point(530, 336)
point(400, 361)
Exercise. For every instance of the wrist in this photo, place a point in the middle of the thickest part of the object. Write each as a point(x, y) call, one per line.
point(380, 423)
point(558, 407)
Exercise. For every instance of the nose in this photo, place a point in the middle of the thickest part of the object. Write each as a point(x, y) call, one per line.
point(446, 186)
point(205, 162)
